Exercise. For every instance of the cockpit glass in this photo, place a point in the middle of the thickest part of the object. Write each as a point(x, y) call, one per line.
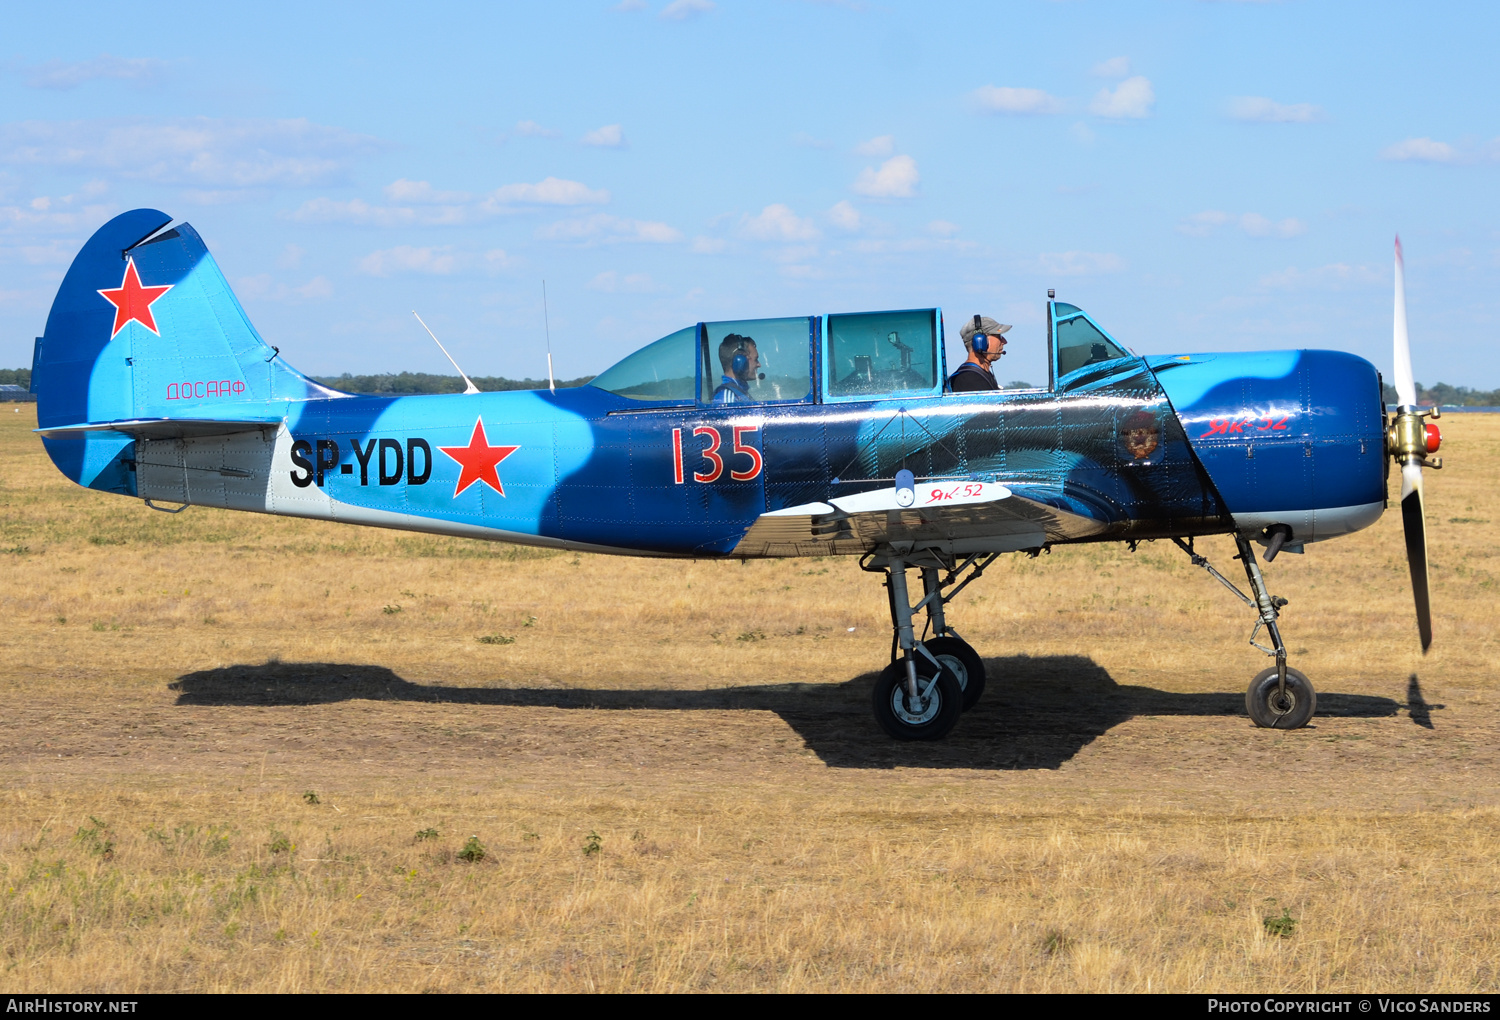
point(661, 371)
point(882, 353)
point(756, 360)
point(1080, 343)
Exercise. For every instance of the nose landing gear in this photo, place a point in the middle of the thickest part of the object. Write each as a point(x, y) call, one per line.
point(1279, 697)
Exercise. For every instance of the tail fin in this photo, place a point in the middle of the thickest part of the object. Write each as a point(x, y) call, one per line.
point(145, 326)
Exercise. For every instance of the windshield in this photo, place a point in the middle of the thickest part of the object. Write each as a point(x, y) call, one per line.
point(661, 371)
point(1080, 343)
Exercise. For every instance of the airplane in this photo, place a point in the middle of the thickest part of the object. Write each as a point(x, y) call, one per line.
point(812, 435)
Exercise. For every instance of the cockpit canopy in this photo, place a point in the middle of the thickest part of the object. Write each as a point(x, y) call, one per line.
point(835, 358)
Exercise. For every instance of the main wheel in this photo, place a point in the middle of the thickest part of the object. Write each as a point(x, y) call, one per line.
point(961, 659)
point(920, 718)
point(1281, 710)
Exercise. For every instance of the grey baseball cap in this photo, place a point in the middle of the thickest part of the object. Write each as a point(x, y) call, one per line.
point(988, 325)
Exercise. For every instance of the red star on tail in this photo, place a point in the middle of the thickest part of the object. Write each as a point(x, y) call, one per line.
point(478, 460)
point(132, 301)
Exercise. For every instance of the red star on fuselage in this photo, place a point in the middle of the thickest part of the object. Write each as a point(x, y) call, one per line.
point(132, 301)
point(478, 460)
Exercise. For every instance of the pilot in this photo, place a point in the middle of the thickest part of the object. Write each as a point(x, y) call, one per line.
point(977, 373)
point(741, 362)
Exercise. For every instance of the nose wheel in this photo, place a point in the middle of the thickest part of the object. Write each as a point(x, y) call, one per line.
point(1275, 706)
point(1280, 697)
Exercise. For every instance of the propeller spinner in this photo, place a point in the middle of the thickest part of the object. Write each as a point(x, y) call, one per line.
point(1410, 439)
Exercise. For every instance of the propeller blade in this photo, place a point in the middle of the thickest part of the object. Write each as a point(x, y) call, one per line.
point(1406, 389)
point(1414, 523)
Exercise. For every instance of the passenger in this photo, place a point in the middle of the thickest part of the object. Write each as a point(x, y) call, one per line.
point(977, 373)
point(741, 362)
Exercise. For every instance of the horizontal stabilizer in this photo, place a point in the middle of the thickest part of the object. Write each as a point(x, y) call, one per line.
point(163, 428)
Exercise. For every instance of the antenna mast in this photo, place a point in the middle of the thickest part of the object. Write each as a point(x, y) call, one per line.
point(551, 383)
point(469, 386)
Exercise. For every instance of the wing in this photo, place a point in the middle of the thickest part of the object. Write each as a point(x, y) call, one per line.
point(956, 517)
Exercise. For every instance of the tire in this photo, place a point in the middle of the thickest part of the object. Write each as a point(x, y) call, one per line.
point(1261, 700)
point(930, 721)
point(960, 659)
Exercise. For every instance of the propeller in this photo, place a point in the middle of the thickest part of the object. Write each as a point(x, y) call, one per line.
point(1410, 439)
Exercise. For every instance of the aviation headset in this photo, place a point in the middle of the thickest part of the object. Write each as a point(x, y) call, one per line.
point(741, 363)
point(979, 341)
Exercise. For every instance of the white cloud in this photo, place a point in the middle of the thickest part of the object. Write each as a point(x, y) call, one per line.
point(357, 212)
point(262, 287)
point(59, 74)
point(1254, 224)
point(1335, 276)
point(1131, 99)
point(778, 222)
point(549, 191)
point(1260, 110)
point(681, 10)
point(627, 6)
point(421, 193)
point(1421, 150)
point(942, 228)
point(405, 258)
point(193, 151)
point(531, 129)
point(43, 212)
point(1114, 67)
point(602, 228)
point(1202, 224)
point(880, 145)
point(290, 257)
point(1257, 225)
point(611, 282)
point(896, 178)
point(845, 217)
point(808, 141)
point(607, 137)
point(1004, 99)
point(1080, 263)
point(708, 245)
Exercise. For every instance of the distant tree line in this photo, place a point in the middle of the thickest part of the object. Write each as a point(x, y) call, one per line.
point(425, 382)
point(1442, 393)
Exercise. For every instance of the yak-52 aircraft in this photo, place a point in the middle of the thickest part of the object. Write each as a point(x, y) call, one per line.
point(152, 383)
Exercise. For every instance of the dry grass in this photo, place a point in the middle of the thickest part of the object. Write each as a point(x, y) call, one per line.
point(1106, 819)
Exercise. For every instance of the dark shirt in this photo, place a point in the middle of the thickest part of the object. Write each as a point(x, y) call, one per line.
point(971, 378)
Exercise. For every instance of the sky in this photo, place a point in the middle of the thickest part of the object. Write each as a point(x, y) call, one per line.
point(1198, 175)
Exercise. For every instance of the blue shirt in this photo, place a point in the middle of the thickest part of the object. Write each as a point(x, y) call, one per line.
point(732, 391)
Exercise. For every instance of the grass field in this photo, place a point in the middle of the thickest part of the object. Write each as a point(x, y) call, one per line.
point(246, 753)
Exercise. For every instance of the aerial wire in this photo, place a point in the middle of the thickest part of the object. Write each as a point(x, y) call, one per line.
point(551, 384)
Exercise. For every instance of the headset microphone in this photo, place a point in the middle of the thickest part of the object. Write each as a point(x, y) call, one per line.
point(741, 365)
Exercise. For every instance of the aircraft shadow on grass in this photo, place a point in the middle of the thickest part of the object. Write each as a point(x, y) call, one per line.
point(1037, 712)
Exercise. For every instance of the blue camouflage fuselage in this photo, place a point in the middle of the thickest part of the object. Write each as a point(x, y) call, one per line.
point(194, 407)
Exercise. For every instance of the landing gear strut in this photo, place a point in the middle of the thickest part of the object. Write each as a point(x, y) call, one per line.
point(930, 681)
point(1279, 697)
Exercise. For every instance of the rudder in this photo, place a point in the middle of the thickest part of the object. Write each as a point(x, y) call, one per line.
point(145, 326)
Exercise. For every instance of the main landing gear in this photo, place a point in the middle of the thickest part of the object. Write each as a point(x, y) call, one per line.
point(931, 680)
point(1280, 697)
